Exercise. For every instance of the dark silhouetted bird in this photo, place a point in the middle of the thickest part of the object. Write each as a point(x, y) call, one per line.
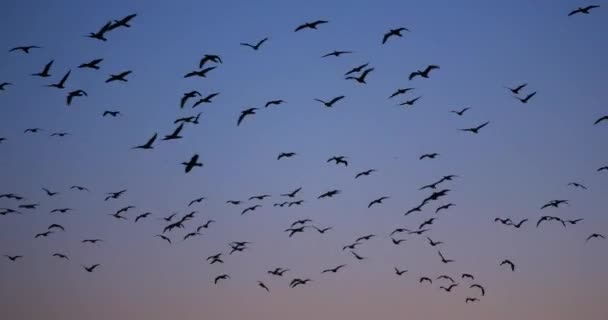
point(197, 200)
point(399, 272)
point(286, 155)
point(79, 188)
point(124, 22)
point(432, 243)
point(49, 193)
point(338, 160)
point(187, 96)
point(142, 216)
point(358, 257)
point(410, 102)
point(467, 275)
point(476, 129)
point(517, 89)
point(60, 256)
point(4, 84)
point(467, 300)
point(577, 185)
point(115, 195)
point(256, 46)
point(334, 270)
point(377, 201)
point(365, 173)
point(260, 197)
point(322, 231)
point(292, 194)
point(200, 73)
point(93, 64)
point(595, 236)
point(147, 145)
point(206, 99)
point(554, 203)
point(393, 32)
point(425, 279)
point(397, 242)
point(43, 234)
point(175, 134)
point(428, 155)
point(400, 92)
point(13, 258)
point(483, 291)
point(193, 162)
point(604, 118)
point(329, 194)
point(423, 73)
point(91, 268)
point(331, 102)
point(100, 34)
point(263, 286)
point(519, 224)
point(75, 93)
point(233, 202)
point(113, 114)
point(527, 98)
point(584, 10)
point(366, 238)
point(273, 102)
point(310, 25)
point(444, 207)
point(209, 57)
point(244, 113)
point(45, 71)
point(61, 83)
point(461, 112)
point(24, 49)
point(362, 76)
point(119, 77)
point(164, 238)
point(444, 260)
point(356, 69)
point(335, 53)
point(511, 264)
point(252, 208)
point(56, 226)
point(449, 289)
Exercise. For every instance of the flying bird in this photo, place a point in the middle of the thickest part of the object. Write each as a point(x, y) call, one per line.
point(124, 22)
point(577, 185)
point(444, 207)
point(310, 25)
point(397, 242)
point(356, 69)
point(469, 299)
point(377, 201)
point(476, 129)
point(554, 203)
point(244, 113)
point(24, 49)
point(115, 195)
point(449, 289)
point(444, 260)
point(4, 84)
point(286, 155)
point(364, 173)
point(93, 64)
point(91, 268)
point(45, 71)
point(206, 99)
point(292, 194)
point(604, 118)
point(428, 155)
point(527, 98)
point(164, 238)
point(511, 264)
point(583, 10)
point(423, 73)
point(113, 114)
point(187, 96)
point(329, 194)
point(142, 216)
point(331, 102)
point(273, 102)
point(400, 92)
point(119, 77)
point(425, 279)
point(263, 286)
point(483, 291)
point(13, 258)
point(260, 197)
point(393, 32)
point(517, 89)
point(148, 144)
point(335, 53)
point(100, 34)
point(75, 93)
point(56, 226)
point(197, 200)
point(252, 208)
point(209, 57)
point(60, 256)
point(61, 83)
point(334, 270)
point(193, 162)
point(358, 257)
point(256, 46)
point(433, 243)
point(461, 112)
point(175, 134)
point(49, 193)
point(595, 236)
point(362, 76)
point(410, 102)
point(338, 160)
point(467, 275)
point(200, 73)
point(399, 272)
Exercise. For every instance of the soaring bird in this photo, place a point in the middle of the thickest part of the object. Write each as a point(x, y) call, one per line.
point(260, 197)
point(362, 76)
point(446, 277)
point(79, 188)
point(206, 99)
point(335, 53)
point(147, 145)
point(527, 98)
point(605, 168)
point(244, 113)
point(296, 282)
point(444, 207)
point(187, 96)
point(595, 235)
point(286, 155)
point(60, 256)
point(584, 10)
point(197, 200)
point(517, 89)
point(175, 134)
point(29, 206)
point(519, 224)
point(329, 194)
point(358, 257)
point(469, 299)
point(461, 112)
point(400, 91)
point(32, 130)
point(334, 270)
point(577, 185)
point(25, 49)
point(124, 22)
point(277, 272)
point(59, 134)
point(449, 289)
point(114, 195)
point(91, 268)
point(45, 71)
point(423, 73)
point(63, 210)
point(399, 272)
point(410, 102)
point(322, 231)
point(200, 73)
point(351, 246)
point(356, 69)
point(49, 193)
point(397, 242)
point(467, 275)
point(292, 194)
point(56, 226)
point(444, 260)
point(142, 216)
point(164, 238)
point(364, 173)
point(193, 162)
point(13, 258)
point(252, 208)
point(433, 243)
point(476, 129)
point(191, 119)
point(399, 230)
point(263, 286)
point(113, 114)
point(554, 203)
point(61, 83)
point(427, 223)
point(377, 201)
point(549, 218)
point(338, 160)
point(331, 102)
point(119, 77)
point(415, 209)
point(428, 155)
point(205, 226)
point(483, 291)
point(75, 93)
point(425, 279)
point(256, 46)
point(93, 64)
point(234, 202)
point(393, 32)
point(100, 34)
point(604, 118)
point(93, 241)
point(310, 25)
point(4, 84)
point(511, 264)
point(209, 57)
point(43, 234)
point(274, 102)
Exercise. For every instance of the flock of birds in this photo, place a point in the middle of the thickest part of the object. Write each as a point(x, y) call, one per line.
point(359, 74)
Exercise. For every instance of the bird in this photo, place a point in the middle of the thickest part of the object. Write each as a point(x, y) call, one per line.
point(124, 22)
point(506, 221)
point(296, 203)
point(595, 236)
point(427, 222)
point(527, 98)
point(115, 195)
point(399, 272)
point(400, 91)
point(191, 234)
point(79, 188)
point(554, 203)
point(244, 113)
point(45, 71)
point(604, 118)
point(334, 270)
point(444, 207)
point(467, 300)
point(197, 200)
point(216, 258)
point(433, 243)
point(296, 282)
point(425, 279)
point(200, 73)
point(277, 272)
point(410, 102)
point(444, 260)
point(366, 238)
point(252, 208)
point(187, 96)
point(449, 289)
point(461, 112)
point(206, 99)
point(549, 218)
point(428, 155)
point(56, 226)
point(25, 49)
point(191, 119)
point(13, 258)
point(397, 242)
point(446, 278)
point(148, 144)
point(29, 206)
point(577, 185)
point(483, 291)
point(331, 102)
point(59, 134)
point(234, 202)
point(511, 264)
point(584, 10)
point(91, 268)
point(286, 155)
point(260, 197)
point(93, 64)
point(329, 194)
point(517, 89)
point(351, 246)
point(361, 77)
point(60, 256)
point(125, 209)
point(100, 34)
point(256, 46)
point(93, 241)
point(209, 57)
point(4, 84)
point(113, 114)
point(221, 277)
point(193, 162)
point(415, 209)
point(575, 221)
point(261, 284)
point(310, 25)
point(273, 102)
point(399, 230)
point(605, 168)
point(338, 160)
point(423, 73)
point(393, 32)
point(356, 69)
point(49, 193)
point(205, 226)
point(75, 93)
point(467, 275)
point(335, 53)
point(377, 201)
point(61, 83)
point(142, 216)
point(364, 173)
point(476, 129)
point(292, 194)
point(358, 257)
point(519, 224)
point(32, 130)
point(175, 134)
point(43, 234)
point(322, 231)
point(119, 77)
point(164, 238)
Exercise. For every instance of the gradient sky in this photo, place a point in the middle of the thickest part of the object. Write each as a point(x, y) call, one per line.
point(522, 159)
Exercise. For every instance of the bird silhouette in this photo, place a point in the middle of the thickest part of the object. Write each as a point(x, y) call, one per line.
point(310, 25)
point(209, 57)
point(517, 89)
point(292, 194)
point(433, 243)
point(331, 102)
point(399, 272)
point(252, 208)
point(583, 10)
point(323, 230)
point(263, 286)
point(234, 202)
point(425, 279)
point(61, 83)
point(595, 236)
point(296, 282)
point(205, 226)
point(199, 73)
point(60, 256)
point(444, 260)
point(119, 77)
point(124, 22)
point(364, 173)
point(550, 218)
point(467, 275)
point(604, 118)
point(79, 188)
point(444, 207)
point(45, 71)
point(187, 96)
point(469, 299)
point(277, 272)
point(483, 291)
point(397, 242)
point(356, 69)
point(49, 193)
point(519, 224)
point(13, 258)
point(286, 155)
point(334, 270)
point(56, 226)
point(511, 264)
point(274, 103)
point(527, 98)
point(428, 155)
point(206, 99)
point(4, 84)
point(366, 238)
point(400, 92)
point(449, 289)
point(191, 119)
point(393, 33)
point(93, 64)
point(423, 73)
point(256, 46)
point(164, 238)
point(577, 185)
point(59, 134)
point(175, 134)
point(148, 144)
point(362, 76)
point(24, 49)
point(193, 162)
point(75, 93)
point(114, 195)
point(377, 201)
point(29, 206)
point(410, 102)
point(142, 216)
point(335, 53)
point(605, 168)
point(43, 234)
point(260, 197)
point(476, 129)
point(329, 194)
point(100, 34)
point(554, 203)
point(358, 257)
point(575, 221)
point(113, 114)
point(446, 278)
point(338, 160)
point(461, 112)
point(91, 268)
point(197, 200)
point(245, 113)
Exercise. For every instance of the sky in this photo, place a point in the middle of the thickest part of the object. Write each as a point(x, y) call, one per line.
point(524, 158)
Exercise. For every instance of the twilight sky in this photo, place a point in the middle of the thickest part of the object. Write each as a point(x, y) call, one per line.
point(525, 157)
